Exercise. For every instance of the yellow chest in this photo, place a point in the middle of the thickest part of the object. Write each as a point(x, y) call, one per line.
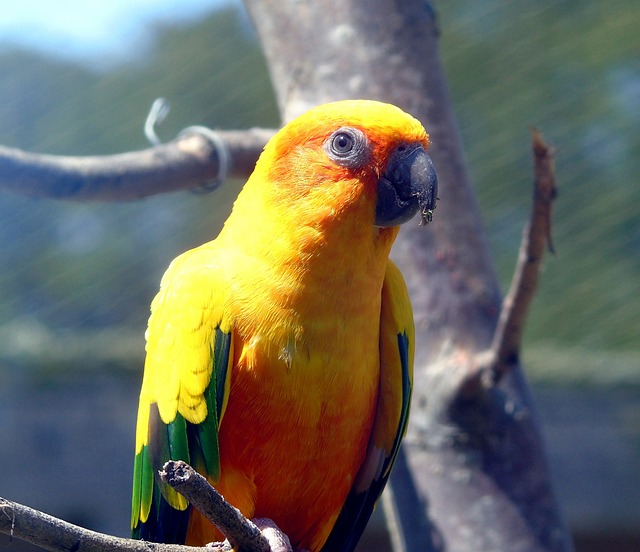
point(304, 387)
point(297, 426)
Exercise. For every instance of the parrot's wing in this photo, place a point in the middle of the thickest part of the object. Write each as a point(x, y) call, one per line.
point(184, 392)
point(394, 398)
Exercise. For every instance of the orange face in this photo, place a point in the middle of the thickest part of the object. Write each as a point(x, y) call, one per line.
point(353, 151)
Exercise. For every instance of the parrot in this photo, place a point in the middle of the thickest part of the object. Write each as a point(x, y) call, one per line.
point(279, 356)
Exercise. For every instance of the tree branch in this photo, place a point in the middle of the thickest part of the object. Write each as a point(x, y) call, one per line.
point(56, 535)
point(53, 534)
point(406, 511)
point(188, 162)
point(241, 533)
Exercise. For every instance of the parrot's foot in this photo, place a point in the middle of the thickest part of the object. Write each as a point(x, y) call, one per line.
point(224, 546)
point(219, 546)
point(278, 541)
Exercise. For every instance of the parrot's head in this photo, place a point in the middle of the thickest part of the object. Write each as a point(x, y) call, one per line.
point(351, 156)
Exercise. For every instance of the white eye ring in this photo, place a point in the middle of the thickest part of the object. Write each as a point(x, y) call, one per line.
point(348, 147)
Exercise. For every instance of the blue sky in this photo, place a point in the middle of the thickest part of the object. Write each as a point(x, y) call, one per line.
point(84, 29)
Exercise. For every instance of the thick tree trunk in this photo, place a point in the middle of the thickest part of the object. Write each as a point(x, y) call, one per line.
point(474, 449)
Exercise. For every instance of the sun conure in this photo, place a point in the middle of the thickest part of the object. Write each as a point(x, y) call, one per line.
point(279, 355)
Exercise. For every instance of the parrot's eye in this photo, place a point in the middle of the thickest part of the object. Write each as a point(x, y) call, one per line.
point(342, 143)
point(348, 147)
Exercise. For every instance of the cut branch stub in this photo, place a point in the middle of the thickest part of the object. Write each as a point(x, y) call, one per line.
point(242, 534)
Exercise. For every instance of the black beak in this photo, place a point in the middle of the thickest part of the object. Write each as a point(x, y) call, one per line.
point(408, 184)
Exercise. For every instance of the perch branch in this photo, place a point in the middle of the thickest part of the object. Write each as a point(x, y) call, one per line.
point(56, 535)
point(50, 533)
point(241, 533)
point(188, 162)
point(507, 338)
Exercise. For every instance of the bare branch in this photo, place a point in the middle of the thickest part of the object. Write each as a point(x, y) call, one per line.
point(406, 511)
point(188, 162)
point(242, 534)
point(507, 340)
point(56, 535)
point(50, 533)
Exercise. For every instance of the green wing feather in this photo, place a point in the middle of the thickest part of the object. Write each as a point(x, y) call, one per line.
point(184, 392)
point(392, 415)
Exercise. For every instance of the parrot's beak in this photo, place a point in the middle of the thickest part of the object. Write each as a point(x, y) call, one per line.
point(408, 184)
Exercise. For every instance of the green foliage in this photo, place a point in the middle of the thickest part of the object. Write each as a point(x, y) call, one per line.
point(569, 68)
point(572, 70)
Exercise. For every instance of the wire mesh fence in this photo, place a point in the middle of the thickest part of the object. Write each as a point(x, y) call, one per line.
point(76, 279)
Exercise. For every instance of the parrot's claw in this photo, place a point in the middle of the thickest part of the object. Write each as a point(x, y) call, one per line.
point(278, 541)
point(224, 546)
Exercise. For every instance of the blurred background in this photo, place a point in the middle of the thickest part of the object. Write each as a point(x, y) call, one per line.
point(77, 78)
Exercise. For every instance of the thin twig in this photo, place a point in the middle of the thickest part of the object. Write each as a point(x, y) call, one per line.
point(405, 511)
point(182, 164)
point(243, 534)
point(507, 339)
point(56, 535)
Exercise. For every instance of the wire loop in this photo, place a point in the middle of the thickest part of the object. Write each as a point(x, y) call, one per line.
point(159, 110)
point(222, 151)
point(158, 113)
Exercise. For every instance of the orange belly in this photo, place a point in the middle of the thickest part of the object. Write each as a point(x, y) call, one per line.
point(293, 437)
